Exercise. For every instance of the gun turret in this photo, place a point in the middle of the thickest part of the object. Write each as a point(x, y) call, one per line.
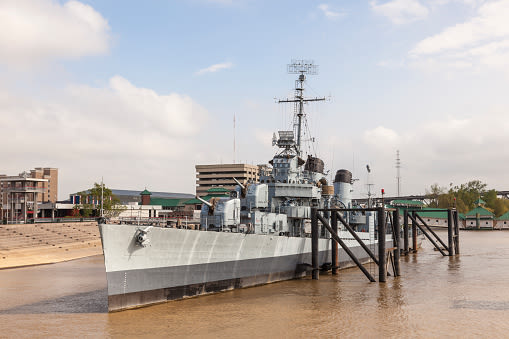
point(204, 201)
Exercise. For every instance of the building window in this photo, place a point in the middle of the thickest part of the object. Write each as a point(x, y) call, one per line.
point(486, 223)
point(437, 220)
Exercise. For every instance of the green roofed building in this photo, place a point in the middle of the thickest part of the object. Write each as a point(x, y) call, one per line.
point(502, 222)
point(168, 204)
point(480, 202)
point(479, 218)
point(431, 216)
point(434, 216)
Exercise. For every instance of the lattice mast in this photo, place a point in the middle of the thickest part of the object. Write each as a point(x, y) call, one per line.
point(301, 67)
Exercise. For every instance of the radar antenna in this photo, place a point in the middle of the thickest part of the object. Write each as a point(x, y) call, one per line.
point(301, 67)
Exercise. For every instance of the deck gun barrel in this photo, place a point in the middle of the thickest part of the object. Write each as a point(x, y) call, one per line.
point(239, 183)
point(204, 201)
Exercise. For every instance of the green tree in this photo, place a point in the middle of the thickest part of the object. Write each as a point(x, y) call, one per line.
point(463, 197)
point(490, 197)
point(433, 195)
point(500, 206)
point(92, 205)
point(467, 194)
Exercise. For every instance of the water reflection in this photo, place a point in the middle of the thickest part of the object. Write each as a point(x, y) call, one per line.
point(87, 302)
point(482, 305)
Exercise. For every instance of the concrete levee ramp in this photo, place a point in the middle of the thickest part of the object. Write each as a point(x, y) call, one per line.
point(35, 244)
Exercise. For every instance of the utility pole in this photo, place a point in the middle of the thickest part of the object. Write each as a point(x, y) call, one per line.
point(398, 174)
point(102, 197)
point(234, 138)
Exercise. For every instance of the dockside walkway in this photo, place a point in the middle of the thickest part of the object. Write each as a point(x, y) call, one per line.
point(36, 244)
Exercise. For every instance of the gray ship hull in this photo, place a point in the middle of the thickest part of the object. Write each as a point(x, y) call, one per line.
point(179, 263)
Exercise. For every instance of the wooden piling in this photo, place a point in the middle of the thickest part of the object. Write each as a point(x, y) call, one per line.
point(405, 232)
point(314, 243)
point(456, 233)
point(414, 233)
point(382, 269)
point(450, 231)
point(334, 247)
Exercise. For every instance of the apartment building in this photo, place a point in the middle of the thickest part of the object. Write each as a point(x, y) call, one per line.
point(20, 194)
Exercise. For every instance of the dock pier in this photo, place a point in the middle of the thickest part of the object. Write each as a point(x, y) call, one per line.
point(385, 217)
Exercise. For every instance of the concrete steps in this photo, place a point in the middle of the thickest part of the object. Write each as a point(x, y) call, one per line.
point(33, 244)
point(25, 236)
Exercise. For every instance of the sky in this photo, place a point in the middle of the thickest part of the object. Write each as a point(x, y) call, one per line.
point(138, 93)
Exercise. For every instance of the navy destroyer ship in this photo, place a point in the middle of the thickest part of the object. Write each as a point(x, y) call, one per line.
point(258, 235)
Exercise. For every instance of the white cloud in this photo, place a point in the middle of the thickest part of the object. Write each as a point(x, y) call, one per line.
point(215, 68)
point(401, 11)
point(482, 40)
point(471, 3)
point(381, 137)
point(130, 135)
point(328, 12)
point(36, 31)
point(491, 23)
point(443, 151)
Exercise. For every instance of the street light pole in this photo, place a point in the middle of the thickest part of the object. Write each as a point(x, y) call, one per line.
point(102, 197)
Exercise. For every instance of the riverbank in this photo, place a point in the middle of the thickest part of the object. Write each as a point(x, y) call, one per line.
point(39, 244)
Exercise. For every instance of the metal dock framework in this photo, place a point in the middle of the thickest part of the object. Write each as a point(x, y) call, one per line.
point(388, 222)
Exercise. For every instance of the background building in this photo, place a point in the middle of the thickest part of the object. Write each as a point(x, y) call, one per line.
point(127, 197)
point(209, 176)
point(50, 186)
point(20, 195)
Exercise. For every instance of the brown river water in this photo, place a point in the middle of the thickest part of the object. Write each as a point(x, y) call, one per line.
point(436, 297)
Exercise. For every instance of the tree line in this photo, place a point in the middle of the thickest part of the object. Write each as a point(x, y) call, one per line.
point(464, 196)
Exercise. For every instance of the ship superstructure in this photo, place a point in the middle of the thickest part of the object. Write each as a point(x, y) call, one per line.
point(281, 202)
